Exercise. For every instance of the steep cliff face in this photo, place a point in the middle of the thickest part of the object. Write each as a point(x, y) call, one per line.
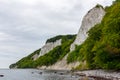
point(49, 46)
point(93, 17)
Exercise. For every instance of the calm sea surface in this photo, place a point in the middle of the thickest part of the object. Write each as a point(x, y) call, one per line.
point(33, 74)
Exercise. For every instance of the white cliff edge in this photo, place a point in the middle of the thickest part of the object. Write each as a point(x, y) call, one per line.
point(47, 48)
point(93, 17)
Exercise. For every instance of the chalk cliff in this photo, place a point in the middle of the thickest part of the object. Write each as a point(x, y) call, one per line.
point(49, 46)
point(93, 17)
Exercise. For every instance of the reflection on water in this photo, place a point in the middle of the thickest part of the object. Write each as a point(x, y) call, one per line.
point(33, 74)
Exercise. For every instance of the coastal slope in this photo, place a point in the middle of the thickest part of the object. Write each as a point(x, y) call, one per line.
point(96, 46)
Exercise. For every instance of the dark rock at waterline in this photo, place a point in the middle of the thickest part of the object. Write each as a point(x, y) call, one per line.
point(32, 72)
point(40, 72)
point(1, 75)
point(61, 73)
point(55, 72)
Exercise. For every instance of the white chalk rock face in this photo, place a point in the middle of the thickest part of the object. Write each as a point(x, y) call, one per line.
point(34, 57)
point(50, 46)
point(93, 17)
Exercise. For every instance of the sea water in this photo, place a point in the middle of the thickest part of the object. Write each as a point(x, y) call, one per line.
point(34, 74)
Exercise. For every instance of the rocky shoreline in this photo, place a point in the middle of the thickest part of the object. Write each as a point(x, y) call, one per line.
point(99, 74)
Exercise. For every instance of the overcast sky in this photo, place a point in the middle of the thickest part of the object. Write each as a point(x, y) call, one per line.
point(25, 25)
